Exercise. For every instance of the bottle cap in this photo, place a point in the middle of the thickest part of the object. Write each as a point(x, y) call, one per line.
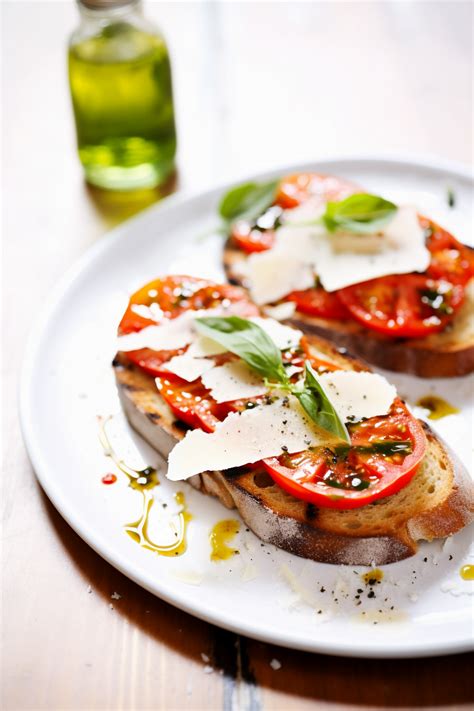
point(105, 4)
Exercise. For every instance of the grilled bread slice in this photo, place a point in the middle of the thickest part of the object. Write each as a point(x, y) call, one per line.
point(438, 501)
point(439, 355)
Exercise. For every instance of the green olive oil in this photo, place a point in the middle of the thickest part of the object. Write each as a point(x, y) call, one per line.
point(120, 80)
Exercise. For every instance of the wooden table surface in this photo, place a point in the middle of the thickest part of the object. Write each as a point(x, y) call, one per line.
point(257, 84)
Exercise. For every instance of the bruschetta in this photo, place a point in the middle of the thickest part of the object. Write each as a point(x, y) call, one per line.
point(319, 455)
point(380, 279)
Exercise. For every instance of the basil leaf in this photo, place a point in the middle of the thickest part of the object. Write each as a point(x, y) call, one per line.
point(251, 343)
point(361, 213)
point(247, 201)
point(247, 340)
point(316, 403)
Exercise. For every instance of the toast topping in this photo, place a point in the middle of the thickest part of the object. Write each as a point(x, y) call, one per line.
point(338, 253)
point(245, 438)
point(258, 395)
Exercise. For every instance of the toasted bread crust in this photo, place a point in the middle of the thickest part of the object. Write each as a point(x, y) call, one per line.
point(384, 532)
point(440, 355)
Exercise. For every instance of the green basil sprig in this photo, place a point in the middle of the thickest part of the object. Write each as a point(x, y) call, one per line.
point(251, 343)
point(247, 340)
point(247, 201)
point(319, 408)
point(361, 213)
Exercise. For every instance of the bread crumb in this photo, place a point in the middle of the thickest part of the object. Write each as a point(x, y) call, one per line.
point(111, 606)
point(89, 589)
point(204, 657)
point(115, 596)
point(275, 664)
point(208, 670)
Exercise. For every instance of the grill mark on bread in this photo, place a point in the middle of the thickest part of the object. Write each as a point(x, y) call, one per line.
point(154, 417)
point(311, 512)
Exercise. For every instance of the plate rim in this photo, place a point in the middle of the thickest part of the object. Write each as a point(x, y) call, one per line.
point(40, 467)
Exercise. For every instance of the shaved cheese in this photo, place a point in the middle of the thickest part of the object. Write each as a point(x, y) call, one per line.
point(272, 275)
point(404, 251)
point(358, 395)
point(202, 347)
point(282, 336)
point(233, 381)
point(243, 438)
point(281, 312)
point(301, 251)
point(179, 332)
point(189, 368)
point(169, 335)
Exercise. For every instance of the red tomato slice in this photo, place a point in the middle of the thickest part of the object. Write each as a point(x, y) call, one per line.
point(295, 189)
point(405, 306)
point(450, 259)
point(167, 298)
point(172, 295)
point(355, 477)
point(191, 403)
point(318, 302)
point(251, 240)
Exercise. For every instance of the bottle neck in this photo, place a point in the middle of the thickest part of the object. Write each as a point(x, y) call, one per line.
point(100, 10)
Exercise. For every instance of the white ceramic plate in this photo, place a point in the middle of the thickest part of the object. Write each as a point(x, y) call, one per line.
point(422, 607)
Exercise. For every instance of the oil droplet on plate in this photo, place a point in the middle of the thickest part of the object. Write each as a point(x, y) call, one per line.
point(138, 530)
point(467, 572)
point(373, 576)
point(221, 534)
point(144, 481)
point(437, 406)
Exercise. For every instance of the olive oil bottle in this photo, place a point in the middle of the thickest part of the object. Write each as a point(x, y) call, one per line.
point(120, 79)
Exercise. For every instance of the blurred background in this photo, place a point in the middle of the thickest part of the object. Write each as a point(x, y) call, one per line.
point(256, 85)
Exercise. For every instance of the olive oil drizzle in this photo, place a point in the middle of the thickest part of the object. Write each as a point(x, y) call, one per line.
point(437, 406)
point(221, 534)
point(144, 481)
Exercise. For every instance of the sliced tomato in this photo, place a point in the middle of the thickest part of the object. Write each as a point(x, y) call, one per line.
point(250, 239)
point(162, 298)
point(191, 402)
point(318, 302)
point(403, 306)
point(295, 189)
point(450, 259)
point(170, 296)
point(352, 477)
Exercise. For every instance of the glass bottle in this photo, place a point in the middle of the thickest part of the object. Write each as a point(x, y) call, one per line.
point(120, 79)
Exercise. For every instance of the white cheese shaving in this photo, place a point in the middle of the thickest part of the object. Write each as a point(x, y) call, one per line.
point(181, 331)
point(189, 368)
point(243, 438)
point(203, 347)
point(274, 274)
point(404, 251)
point(301, 251)
point(358, 395)
point(282, 336)
point(233, 381)
point(282, 311)
point(169, 335)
